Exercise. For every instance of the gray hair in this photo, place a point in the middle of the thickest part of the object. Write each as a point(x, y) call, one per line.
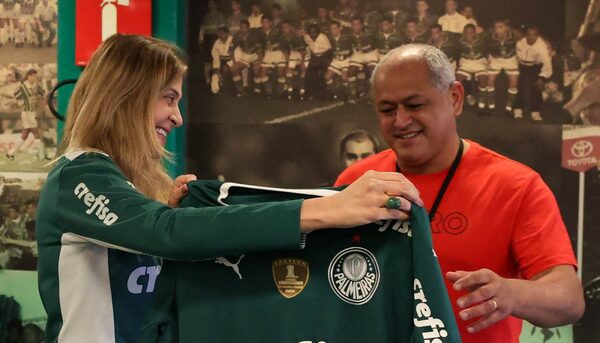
point(441, 72)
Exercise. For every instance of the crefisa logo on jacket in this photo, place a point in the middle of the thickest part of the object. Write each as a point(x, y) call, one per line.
point(354, 275)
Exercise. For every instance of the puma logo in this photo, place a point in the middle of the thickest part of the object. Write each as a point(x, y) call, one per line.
point(235, 267)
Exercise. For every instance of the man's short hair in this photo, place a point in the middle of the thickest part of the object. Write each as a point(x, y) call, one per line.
point(386, 18)
point(470, 26)
point(265, 17)
point(504, 21)
point(437, 27)
point(336, 23)
point(245, 22)
point(412, 20)
point(358, 136)
point(359, 18)
point(277, 7)
point(223, 29)
point(31, 72)
point(441, 73)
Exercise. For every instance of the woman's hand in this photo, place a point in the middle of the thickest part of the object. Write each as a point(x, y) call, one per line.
point(361, 203)
point(179, 189)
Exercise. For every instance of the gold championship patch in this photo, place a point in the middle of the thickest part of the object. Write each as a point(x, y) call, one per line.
point(290, 275)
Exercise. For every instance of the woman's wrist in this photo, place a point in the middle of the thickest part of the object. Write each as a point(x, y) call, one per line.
point(316, 214)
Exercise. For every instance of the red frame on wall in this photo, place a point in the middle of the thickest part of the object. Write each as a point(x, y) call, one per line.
point(132, 16)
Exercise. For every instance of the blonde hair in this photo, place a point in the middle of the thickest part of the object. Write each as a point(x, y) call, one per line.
point(112, 107)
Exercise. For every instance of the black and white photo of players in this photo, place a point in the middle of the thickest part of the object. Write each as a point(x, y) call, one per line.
point(28, 72)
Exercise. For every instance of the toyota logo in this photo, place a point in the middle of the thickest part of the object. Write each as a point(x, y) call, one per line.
point(582, 149)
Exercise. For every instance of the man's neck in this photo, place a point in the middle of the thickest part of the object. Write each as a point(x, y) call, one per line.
point(441, 162)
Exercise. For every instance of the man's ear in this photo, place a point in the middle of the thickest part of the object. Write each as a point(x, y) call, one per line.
point(457, 92)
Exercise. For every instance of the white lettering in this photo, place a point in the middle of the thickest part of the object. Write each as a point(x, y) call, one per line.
point(133, 283)
point(582, 161)
point(153, 273)
point(96, 204)
point(80, 190)
point(88, 199)
point(400, 226)
point(424, 317)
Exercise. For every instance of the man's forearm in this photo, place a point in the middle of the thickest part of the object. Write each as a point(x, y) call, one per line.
point(551, 299)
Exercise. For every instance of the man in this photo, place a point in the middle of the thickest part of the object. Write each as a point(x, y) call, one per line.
point(296, 59)
point(473, 65)
point(386, 39)
point(535, 67)
point(363, 60)
point(497, 230)
point(322, 20)
point(9, 15)
point(46, 17)
point(341, 48)
point(397, 12)
point(412, 33)
point(13, 228)
point(255, 18)
point(342, 14)
point(271, 57)
point(453, 21)
point(28, 27)
point(468, 13)
point(209, 33)
point(221, 59)
point(356, 146)
point(237, 16)
point(320, 58)
point(425, 20)
point(246, 46)
point(373, 17)
point(30, 94)
point(502, 47)
point(443, 41)
point(277, 15)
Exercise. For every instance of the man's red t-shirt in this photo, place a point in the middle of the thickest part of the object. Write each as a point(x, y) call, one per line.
point(496, 214)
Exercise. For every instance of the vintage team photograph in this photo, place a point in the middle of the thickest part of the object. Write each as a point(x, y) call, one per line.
point(28, 72)
point(19, 193)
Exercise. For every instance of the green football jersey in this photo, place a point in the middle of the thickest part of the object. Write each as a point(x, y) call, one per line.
point(386, 42)
point(249, 43)
point(506, 48)
point(364, 42)
point(475, 50)
point(96, 234)
point(377, 283)
point(449, 45)
point(341, 46)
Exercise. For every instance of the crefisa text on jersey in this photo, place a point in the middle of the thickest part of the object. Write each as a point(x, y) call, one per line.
point(401, 226)
point(96, 203)
point(424, 319)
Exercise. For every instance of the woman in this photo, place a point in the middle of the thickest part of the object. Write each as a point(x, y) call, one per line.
point(108, 205)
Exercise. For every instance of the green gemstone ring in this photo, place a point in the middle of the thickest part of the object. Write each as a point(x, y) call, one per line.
point(393, 203)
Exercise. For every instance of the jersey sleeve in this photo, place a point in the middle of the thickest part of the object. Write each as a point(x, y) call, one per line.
point(540, 240)
point(99, 205)
point(18, 93)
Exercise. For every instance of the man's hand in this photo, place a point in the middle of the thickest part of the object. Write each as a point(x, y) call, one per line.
point(179, 189)
point(490, 298)
point(551, 298)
